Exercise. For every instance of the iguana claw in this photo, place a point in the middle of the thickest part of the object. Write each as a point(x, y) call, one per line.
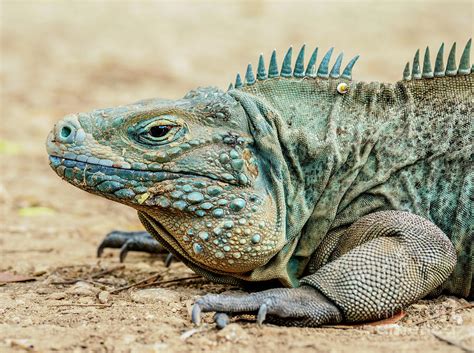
point(169, 259)
point(196, 314)
point(124, 249)
point(132, 241)
point(262, 314)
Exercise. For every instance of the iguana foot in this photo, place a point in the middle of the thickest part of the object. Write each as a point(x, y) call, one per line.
point(132, 241)
point(303, 306)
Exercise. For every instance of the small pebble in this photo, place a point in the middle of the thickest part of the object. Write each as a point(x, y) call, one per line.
point(83, 289)
point(24, 344)
point(232, 332)
point(39, 273)
point(103, 297)
point(57, 296)
point(456, 319)
point(53, 279)
point(43, 290)
point(86, 300)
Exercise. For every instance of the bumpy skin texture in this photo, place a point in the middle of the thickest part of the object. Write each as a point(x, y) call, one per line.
point(381, 248)
point(359, 192)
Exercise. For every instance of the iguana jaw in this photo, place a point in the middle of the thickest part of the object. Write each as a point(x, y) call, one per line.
point(123, 185)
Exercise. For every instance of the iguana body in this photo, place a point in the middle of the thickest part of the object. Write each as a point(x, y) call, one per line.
point(299, 177)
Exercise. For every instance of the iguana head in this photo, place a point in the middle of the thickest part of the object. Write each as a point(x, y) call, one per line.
point(218, 177)
point(188, 166)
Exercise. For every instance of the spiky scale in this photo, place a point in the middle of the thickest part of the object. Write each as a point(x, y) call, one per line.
point(406, 72)
point(415, 72)
point(427, 71)
point(286, 66)
point(238, 81)
point(347, 73)
point(299, 64)
point(439, 65)
point(261, 72)
point(273, 68)
point(311, 68)
point(451, 69)
point(464, 64)
point(335, 71)
point(231, 86)
point(249, 76)
point(323, 70)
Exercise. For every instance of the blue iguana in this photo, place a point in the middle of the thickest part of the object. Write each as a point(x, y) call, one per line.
point(343, 200)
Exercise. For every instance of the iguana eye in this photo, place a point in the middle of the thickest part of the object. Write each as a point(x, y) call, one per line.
point(160, 130)
point(157, 131)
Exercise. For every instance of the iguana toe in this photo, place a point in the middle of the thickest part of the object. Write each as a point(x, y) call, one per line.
point(221, 320)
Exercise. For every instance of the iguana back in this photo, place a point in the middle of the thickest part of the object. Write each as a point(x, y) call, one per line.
point(406, 146)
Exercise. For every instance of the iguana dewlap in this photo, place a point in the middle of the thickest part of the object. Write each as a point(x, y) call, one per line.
point(356, 196)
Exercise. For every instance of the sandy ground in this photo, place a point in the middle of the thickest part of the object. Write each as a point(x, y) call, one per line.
point(59, 57)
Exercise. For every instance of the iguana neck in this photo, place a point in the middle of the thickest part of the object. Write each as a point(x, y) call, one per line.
point(315, 141)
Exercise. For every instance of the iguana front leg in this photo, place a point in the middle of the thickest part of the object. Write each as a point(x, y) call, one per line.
point(133, 241)
point(382, 263)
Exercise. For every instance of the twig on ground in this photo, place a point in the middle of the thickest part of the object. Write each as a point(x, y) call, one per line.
point(83, 304)
point(69, 266)
point(453, 342)
point(168, 281)
point(88, 278)
point(107, 271)
point(146, 280)
point(185, 335)
point(153, 281)
point(29, 250)
point(8, 277)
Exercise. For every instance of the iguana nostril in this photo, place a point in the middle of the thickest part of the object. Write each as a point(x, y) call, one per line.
point(65, 132)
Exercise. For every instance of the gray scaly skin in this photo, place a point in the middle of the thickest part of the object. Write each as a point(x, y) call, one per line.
point(355, 196)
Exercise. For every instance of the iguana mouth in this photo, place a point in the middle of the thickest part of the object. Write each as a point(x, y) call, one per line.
point(114, 182)
point(57, 161)
point(130, 174)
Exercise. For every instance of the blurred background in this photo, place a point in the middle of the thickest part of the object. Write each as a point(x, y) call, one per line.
point(59, 57)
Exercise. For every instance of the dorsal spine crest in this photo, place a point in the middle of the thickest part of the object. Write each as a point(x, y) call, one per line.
point(416, 72)
point(451, 69)
point(299, 68)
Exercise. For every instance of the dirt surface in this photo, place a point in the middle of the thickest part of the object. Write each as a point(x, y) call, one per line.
point(61, 57)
